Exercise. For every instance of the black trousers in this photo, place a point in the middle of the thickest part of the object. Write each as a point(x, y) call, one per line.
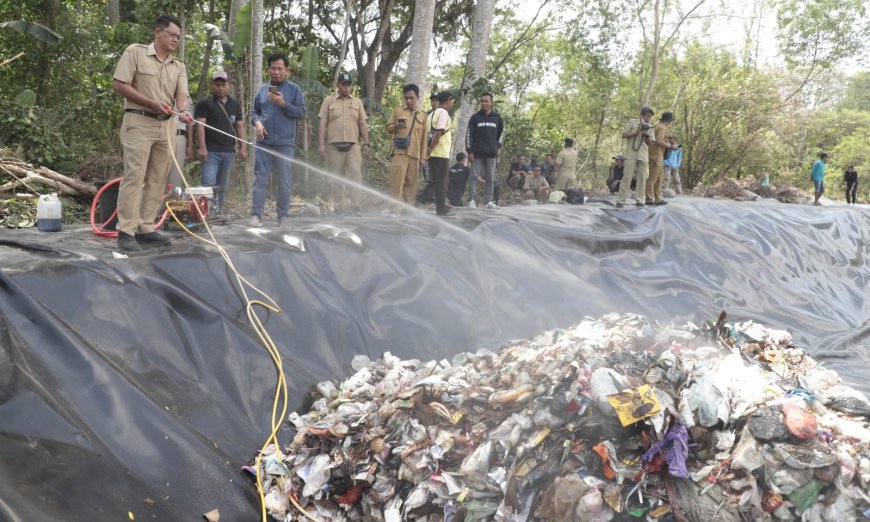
point(851, 192)
point(439, 168)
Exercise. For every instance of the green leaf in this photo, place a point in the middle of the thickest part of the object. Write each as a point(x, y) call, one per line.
point(40, 32)
point(216, 33)
point(242, 38)
point(25, 98)
point(310, 62)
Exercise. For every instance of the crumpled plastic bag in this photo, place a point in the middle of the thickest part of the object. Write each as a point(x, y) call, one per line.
point(675, 446)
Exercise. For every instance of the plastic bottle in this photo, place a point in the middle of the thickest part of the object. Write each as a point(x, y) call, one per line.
point(48, 212)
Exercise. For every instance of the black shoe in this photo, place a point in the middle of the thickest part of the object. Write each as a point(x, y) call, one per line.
point(154, 238)
point(620, 205)
point(128, 243)
point(639, 205)
point(662, 202)
point(448, 212)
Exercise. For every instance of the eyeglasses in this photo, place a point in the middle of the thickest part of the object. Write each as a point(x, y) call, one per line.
point(174, 36)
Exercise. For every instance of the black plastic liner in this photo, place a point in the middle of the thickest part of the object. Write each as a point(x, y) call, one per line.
point(136, 386)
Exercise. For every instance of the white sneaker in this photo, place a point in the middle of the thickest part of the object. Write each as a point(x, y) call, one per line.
point(472, 204)
point(492, 204)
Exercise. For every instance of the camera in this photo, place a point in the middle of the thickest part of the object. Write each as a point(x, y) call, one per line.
point(643, 127)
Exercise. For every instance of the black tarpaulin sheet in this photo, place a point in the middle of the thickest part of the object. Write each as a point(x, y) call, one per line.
point(136, 386)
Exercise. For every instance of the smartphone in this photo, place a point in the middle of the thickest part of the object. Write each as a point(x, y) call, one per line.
point(273, 89)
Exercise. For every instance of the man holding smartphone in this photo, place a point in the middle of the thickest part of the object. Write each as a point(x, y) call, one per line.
point(278, 105)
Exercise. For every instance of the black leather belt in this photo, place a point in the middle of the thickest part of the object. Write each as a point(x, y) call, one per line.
point(180, 132)
point(155, 115)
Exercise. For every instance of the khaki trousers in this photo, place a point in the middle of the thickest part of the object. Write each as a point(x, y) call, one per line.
point(403, 177)
point(348, 165)
point(634, 167)
point(146, 167)
point(654, 185)
point(543, 195)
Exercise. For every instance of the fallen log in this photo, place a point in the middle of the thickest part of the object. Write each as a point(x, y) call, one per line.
point(26, 174)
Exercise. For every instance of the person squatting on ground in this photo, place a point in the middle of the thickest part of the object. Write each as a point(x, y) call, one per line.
point(617, 171)
point(518, 172)
point(817, 176)
point(459, 176)
point(278, 105)
point(536, 186)
point(440, 128)
point(851, 179)
point(548, 169)
point(672, 166)
point(636, 134)
point(217, 150)
point(566, 166)
point(407, 126)
point(344, 140)
point(483, 144)
point(151, 81)
point(657, 147)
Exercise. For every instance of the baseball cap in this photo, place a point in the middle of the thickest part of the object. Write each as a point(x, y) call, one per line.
point(667, 116)
point(220, 75)
point(344, 78)
point(434, 96)
point(620, 157)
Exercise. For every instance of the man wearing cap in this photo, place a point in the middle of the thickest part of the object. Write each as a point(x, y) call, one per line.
point(217, 149)
point(344, 139)
point(151, 81)
point(657, 146)
point(636, 134)
point(617, 171)
point(672, 165)
point(278, 105)
point(438, 150)
point(566, 166)
point(407, 126)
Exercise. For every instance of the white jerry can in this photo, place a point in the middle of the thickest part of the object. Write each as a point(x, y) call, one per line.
point(48, 213)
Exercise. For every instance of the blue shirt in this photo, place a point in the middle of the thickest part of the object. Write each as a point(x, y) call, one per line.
point(280, 122)
point(818, 171)
point(675, 158)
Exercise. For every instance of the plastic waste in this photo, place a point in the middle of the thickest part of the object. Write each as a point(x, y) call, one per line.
point(635, 405)
point(707, 401)
point(675, 446)
point(805, 496)
point(48, 213)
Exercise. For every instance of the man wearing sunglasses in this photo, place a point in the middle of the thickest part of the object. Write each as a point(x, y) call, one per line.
point(151, 81)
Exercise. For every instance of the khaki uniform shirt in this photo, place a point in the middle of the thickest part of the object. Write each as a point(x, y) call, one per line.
point(657, 153)
point(162, 81)
point(635, 147)
point(535, 183)
point(567, 158)
point(343, 118)
point(417, 147)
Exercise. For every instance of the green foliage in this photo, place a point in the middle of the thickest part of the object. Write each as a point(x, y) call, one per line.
point(38, 31)
point(819, 33)
point(25, 98)
point(216, 33)
point(242, 35)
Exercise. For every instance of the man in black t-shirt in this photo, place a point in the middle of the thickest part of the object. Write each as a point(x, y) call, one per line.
point(458, 178)
point(216, 149)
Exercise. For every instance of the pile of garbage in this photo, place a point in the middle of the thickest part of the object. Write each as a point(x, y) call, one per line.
point(750, 189)
point(614, 418)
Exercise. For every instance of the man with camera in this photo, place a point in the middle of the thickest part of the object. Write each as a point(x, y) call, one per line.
point(407, 126)
point(657, 146)
point(344, 139)
point(278, 104)
point(636, 134)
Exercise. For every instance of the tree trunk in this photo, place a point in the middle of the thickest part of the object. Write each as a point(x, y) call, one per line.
point(421, 43)
point(475, 66)
point(231, 19)
point(206, 58)
point(182, 17)
point(113, 11)
point(258, 19)
point(646, 95)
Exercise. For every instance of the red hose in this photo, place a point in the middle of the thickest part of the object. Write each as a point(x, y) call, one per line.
point(101, 230)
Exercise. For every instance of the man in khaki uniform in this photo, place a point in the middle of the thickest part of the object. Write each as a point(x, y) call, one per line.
point(566, 166)
point(636, 135)
point(407, 125)
point(656, 160)
point(151, 82)
point(536, 186)
point(343, 132)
